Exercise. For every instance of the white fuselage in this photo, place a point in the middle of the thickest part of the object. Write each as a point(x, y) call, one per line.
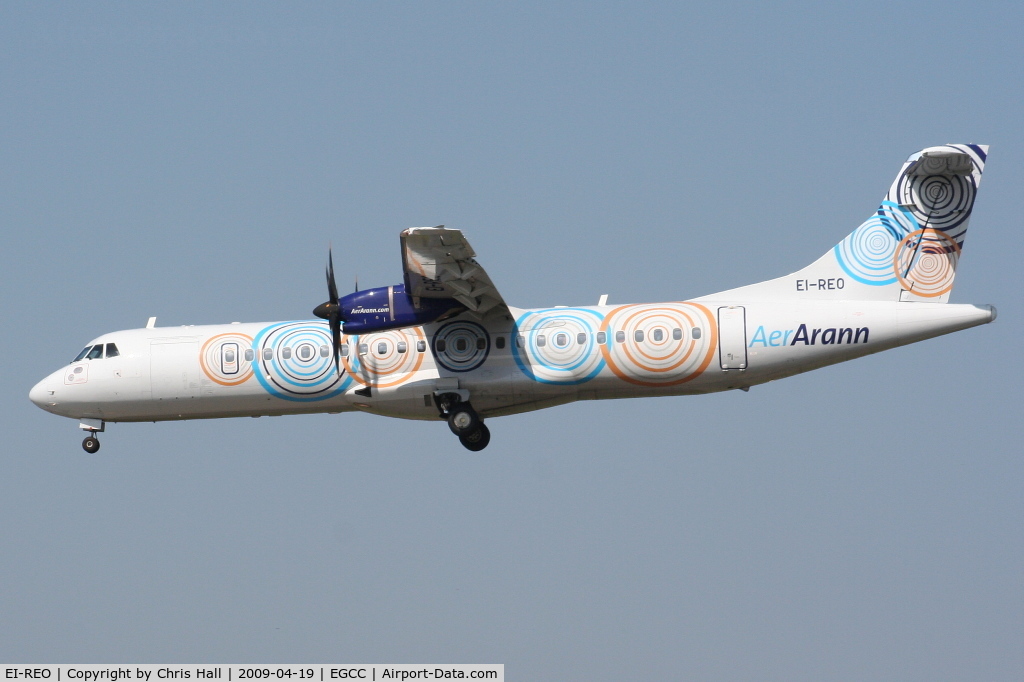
point(545, 357)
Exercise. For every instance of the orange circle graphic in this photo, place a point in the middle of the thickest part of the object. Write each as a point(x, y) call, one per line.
point(213, 359)
point(925, 262)
point(676, 363)
point(396, 368)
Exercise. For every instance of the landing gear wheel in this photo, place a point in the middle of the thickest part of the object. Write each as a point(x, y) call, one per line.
point(477, 440)
point(463, 419)
point(91, 444)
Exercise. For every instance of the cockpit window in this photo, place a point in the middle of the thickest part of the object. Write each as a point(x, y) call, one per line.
point(112, 351)
point(96, 353)
point(85, 351)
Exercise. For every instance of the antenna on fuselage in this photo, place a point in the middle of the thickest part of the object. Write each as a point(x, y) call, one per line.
point(151, 324)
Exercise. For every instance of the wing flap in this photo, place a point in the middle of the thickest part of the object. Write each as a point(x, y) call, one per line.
point(440, 263)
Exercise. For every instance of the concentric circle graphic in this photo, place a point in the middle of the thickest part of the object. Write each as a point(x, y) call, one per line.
point(942, 202)
point(652, 353)
point(866, 253)
point(299, 365)
point(559, 346)
point(465, 346)
point(391, 357)
point(925, 262)
point(222, 358)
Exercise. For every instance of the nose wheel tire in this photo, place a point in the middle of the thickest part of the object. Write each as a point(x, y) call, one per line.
point(91, 444)
point(476, 440)
point(463, 419)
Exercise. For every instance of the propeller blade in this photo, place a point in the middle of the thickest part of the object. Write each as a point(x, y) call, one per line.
point(332, 288)
point(331, 311)
point(336, 341)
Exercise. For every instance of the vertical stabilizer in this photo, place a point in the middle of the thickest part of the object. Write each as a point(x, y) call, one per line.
point(908, 250)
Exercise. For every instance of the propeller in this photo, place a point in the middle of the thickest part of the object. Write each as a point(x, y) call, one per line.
point(331, 311)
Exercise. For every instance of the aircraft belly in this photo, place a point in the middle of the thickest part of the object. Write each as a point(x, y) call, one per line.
point(489, 388)
point(412, 400)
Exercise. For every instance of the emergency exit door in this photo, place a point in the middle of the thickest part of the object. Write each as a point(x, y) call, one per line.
point(732, 337)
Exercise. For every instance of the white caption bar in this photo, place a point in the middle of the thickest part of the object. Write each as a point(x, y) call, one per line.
point(250, 673)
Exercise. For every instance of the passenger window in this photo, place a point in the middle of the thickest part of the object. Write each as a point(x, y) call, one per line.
point(112, 351)
point(481, 343)
point(268, 353)
point(499, 341)
point(696, 332)
point(638, 336)
point(325, 351)
point(402, 347)
point(657, 335)
point(581, 338)
point(519, 340)
point(601, 338)
point(562, 340)
point(460, 345)
point(364, 348)
point(286, 353)
point(249, 355)
point(344, 350)
point(421, 346)
point(677, 333)
point(620, 337)
point(382, 348)
point(229, 356)
point(85, 351)
point(96, 352)
point(541, 341)
point(440, 345)
point(305, 352)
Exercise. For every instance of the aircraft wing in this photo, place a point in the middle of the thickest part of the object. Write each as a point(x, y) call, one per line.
point(440, 263)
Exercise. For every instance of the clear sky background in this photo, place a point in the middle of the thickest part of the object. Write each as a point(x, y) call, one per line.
point(193, 161)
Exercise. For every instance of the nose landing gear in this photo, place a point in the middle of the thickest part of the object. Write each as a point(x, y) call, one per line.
point(91, 444)
point(463, 421)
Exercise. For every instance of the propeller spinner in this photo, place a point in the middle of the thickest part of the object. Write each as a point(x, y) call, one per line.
point(331, 311)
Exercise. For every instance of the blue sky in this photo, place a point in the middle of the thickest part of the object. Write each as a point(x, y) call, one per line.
point(193, 161)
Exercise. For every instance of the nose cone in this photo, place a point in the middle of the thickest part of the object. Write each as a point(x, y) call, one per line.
point(40, 394)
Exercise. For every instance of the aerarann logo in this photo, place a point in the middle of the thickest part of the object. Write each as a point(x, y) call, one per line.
point(809, 337)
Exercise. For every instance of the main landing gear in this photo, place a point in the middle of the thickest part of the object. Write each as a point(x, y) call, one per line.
point(91, 444)
point(463, 421)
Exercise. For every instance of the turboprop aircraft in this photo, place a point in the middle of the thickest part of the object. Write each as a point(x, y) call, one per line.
point(445, 345)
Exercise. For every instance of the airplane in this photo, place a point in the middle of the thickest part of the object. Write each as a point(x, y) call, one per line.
point(444, 344)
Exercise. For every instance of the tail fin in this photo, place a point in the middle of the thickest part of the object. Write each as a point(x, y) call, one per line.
point(909, 249)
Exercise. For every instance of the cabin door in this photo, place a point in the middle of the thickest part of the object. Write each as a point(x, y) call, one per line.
point(732, 337)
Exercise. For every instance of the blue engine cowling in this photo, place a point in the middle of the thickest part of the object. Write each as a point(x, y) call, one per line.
point(383, 308)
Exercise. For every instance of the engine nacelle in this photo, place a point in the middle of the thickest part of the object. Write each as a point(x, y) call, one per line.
point(383, 308)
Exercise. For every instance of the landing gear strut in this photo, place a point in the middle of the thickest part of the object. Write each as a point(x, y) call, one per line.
point(463, 421)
